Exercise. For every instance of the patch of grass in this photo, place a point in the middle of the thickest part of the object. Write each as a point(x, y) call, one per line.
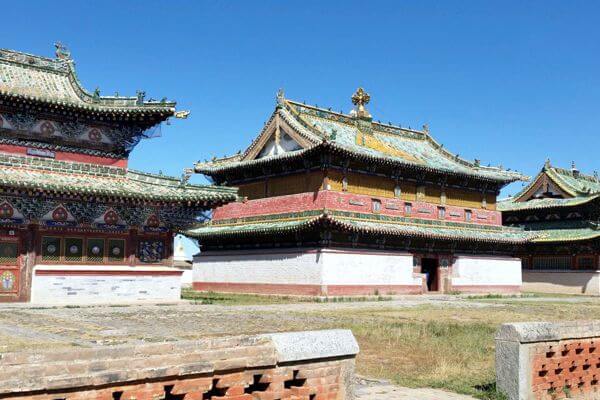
point(254, 299)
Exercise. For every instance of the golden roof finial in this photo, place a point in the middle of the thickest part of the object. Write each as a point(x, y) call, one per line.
point(359, 99)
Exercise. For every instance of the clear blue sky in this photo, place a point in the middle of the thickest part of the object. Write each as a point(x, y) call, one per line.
point(508, 82)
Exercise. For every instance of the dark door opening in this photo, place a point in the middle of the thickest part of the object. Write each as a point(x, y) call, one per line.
point(429, 267)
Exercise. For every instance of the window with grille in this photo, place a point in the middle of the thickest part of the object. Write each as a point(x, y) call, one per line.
point(555, 262)
point(116, 250)
point(95, 250)
point(51, 248)
point(407, 208)
point(8, 252)
point(525, 263)
point(585, 262)
point(73, 249)
point(376, 205)
point(468, 215)
point(441, 212)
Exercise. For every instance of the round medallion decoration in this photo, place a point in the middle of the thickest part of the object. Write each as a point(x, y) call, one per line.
point(153, 221)
point(73, 249)
point(111, 217)
point(95, 135)
point(47, 129)
point(51, 249)
point(7, 280)
point(6, 210)
point(95, 250)
point(116, 251)
point(445, 263)
point(60, 214)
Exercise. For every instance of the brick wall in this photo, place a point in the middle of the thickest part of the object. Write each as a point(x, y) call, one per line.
point(547, 361)
point(291, 366)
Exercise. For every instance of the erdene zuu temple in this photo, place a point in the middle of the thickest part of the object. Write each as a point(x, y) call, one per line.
point(77, 225)
point(562, 207)
point(338, 204)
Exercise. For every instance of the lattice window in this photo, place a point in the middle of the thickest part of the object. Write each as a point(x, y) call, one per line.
point(585, 262)
point(51, 248)
point(73, 249)
point(8, 252)
point(95, 250)
point(553, 262)
point(116, 249)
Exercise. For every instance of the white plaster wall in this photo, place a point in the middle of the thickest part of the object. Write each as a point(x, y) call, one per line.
point(95, 289)
point(259, 266)
point(562, 282)
point(468, 270)
point(370, 268)
point(187, 277)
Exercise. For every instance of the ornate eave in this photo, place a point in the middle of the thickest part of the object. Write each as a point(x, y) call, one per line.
point(388, 138)
point(42, 177)
point(346, 223)
point(30, 82)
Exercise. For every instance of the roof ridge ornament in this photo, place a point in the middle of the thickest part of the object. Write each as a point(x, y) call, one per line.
point(280, 98)
point(360, 98)
point(547, 164)
point(62, 52)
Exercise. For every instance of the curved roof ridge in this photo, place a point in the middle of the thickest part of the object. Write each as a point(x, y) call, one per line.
point(55, 76)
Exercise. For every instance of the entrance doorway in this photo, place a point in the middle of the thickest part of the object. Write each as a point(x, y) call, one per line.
point(429, 267)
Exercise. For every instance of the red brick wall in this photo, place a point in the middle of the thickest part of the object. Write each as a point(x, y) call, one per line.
point(317, 381)
point(344, 201)
point(568, 368)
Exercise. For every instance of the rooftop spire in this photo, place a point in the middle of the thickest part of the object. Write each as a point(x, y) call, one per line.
point(360, 98)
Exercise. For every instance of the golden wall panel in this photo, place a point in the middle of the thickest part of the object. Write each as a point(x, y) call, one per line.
point(254, 190)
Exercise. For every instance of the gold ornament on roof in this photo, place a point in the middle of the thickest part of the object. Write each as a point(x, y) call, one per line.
point(359, 99)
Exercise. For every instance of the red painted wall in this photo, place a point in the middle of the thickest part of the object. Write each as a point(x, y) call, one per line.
point(343, 201)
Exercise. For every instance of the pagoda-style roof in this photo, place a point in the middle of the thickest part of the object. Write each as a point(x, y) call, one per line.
point(364, 224)
point(63, 178)
point(297, 130)
point(28, 80)
point(554, 187)
point(567, 235)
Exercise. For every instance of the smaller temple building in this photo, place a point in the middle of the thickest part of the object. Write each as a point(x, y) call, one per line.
point(76, 224)
point(562, 208)
point(339, 204)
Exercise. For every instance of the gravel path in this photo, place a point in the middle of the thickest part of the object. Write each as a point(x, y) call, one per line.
point(374, 390)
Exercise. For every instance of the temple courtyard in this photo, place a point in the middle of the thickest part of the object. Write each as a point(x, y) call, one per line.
point(441, 342)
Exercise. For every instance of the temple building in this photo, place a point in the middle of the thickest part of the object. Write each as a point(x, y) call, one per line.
point(337, 204)
point(76, 224)
point(562, 207)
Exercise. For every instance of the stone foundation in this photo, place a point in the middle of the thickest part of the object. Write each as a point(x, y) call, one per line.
point(547, 361)
point(317, 365)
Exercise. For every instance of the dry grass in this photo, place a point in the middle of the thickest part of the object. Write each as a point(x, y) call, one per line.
point(443, 347)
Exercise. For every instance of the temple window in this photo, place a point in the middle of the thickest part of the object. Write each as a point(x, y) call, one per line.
point(345, 184)
point(95, 250)
point(51, 248)
point(468, 215)
point(8, 252)
point(443, 197)
point(585, 262)
point(116, 250)
point(376, 205)
point(441, 212)
point(407, 208)
point(552, 262)
point(73, 249)
point(397, 191)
